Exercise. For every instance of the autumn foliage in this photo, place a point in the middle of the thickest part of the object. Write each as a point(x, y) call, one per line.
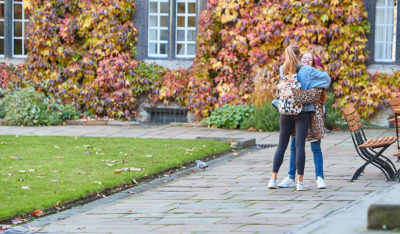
point(83, 52)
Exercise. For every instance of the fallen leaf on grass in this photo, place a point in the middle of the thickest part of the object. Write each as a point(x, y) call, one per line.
point(117, 171)
point(11, 174)
point(42, 174)
point(81, 172)
point(54, 171)
point(3, 143)
point(20, 180)
point(191, 149)
point(25, 187)
point(149, 156)
point(87, 152)
point(59, 157)
point(37, 213)
point(135, 169)
point(56, 146)
point(18, 221)
point(31, 170)
point(134, 181)
point(15, 157)
point(22, 171)
point(86, 146)
point(155, 161)
point(97, 182)
point(57, 181)
point(57, 206)
point(110, 164)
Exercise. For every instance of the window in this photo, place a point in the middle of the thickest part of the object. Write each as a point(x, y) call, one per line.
point(19, 23)
point(172, 33)
point(158, 28)
point(385, 31)
point(185, 28)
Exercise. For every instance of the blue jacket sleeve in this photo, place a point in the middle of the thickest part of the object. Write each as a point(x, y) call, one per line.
point(319, 79)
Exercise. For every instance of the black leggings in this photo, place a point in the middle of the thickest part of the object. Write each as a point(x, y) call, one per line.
point(287, 122)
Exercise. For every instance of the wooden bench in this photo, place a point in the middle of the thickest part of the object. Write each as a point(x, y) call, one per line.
point(367, 148)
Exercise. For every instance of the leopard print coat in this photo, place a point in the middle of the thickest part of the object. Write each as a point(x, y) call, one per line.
point(316, 129)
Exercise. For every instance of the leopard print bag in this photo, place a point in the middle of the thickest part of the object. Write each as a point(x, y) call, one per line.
point(286, 106)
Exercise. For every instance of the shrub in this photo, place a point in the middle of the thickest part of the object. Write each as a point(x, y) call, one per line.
point(229, 116)
point(28, 107)
point(333, 115)
point(264, 117)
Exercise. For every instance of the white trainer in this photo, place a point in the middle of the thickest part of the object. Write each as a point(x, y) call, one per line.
point(272, 184)
point(287, 183)
point(301, 186)
point(320, 183)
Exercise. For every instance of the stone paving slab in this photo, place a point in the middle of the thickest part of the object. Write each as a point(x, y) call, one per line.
point(231, 196)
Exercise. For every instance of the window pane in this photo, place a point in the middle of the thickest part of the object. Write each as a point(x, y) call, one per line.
point(25, 49)
point(192, 8)
point(153, 35)
point(1, 28)
point(389, 33)
point(153, 48)
point(164, 35)
point(380, 3)
point(388, 54)
point(380, 16)
point(153, 7)
point(191, 21)
point(153, 21)
point(17, 11)
point(164, 7)
point(17, 29)
point(379, 33)
point(180, 49)
point(181, 21)
point(378, 51)
point(191, 49)
point(181, 7)
point(163, 48)
point(390, 2)
point(17, 46)
point(26, 15)
point(191, 35)
point(26, 23)
point(1, 10)
point(164, 21)
point(180, 35)
point(2, 46)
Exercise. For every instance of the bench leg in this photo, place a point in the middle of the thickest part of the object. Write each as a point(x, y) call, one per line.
point(388, 172)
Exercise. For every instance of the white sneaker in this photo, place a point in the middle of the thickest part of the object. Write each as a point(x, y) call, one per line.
point(287, 183)
point(321, 183)
point(301, 186)
point(272, 184)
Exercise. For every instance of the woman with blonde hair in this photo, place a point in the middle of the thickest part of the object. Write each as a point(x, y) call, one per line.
point(308, 77)
point(315, 132)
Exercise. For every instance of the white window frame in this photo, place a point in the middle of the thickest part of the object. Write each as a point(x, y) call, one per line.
point(23, 20)
point(158, 28)
point(186, 28)
point(4, 26)
point(387, 41)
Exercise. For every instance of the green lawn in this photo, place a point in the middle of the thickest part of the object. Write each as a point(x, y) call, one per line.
point(37, 172)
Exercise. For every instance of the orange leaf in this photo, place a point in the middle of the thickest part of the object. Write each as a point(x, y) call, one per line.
point(37, 213)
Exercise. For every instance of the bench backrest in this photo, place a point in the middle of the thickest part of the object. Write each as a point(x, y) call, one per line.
point(352, 118)
point(395, 103)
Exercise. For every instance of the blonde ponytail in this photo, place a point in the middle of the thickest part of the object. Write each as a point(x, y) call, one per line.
point(292, 54)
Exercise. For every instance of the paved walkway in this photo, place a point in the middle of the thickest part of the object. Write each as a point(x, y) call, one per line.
point(231, 196)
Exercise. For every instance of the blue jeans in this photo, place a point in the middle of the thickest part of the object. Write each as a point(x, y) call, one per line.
point(318, 161)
